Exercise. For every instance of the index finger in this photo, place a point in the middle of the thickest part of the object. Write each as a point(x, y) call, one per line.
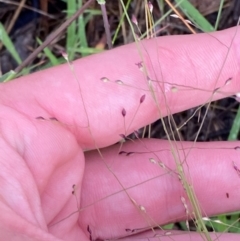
point(110, 94)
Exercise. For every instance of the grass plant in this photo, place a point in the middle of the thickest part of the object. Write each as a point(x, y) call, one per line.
point(77, 43)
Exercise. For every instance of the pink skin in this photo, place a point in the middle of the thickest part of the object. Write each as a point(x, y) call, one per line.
point(42, 159)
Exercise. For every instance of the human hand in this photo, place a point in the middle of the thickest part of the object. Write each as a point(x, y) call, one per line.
point(49, 118)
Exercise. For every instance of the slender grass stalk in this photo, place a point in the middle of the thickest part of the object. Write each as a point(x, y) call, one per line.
point(179, 15)
point(120, 22)
point(165, 15)
point(187, 186)
point(105, 22)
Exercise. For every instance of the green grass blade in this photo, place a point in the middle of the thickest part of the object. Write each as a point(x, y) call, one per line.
point(54, 61)
point(222, 225)
point(90, 14)
point(82, 31)
point(169, 226)
point(233, 135)
point(234, 218)
point(219, 15)
point(225, 223)
point(195, 16)
point(8, 76)
point(71, 30)
point(61, 60)
point(88, 51)
point(7, 42)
